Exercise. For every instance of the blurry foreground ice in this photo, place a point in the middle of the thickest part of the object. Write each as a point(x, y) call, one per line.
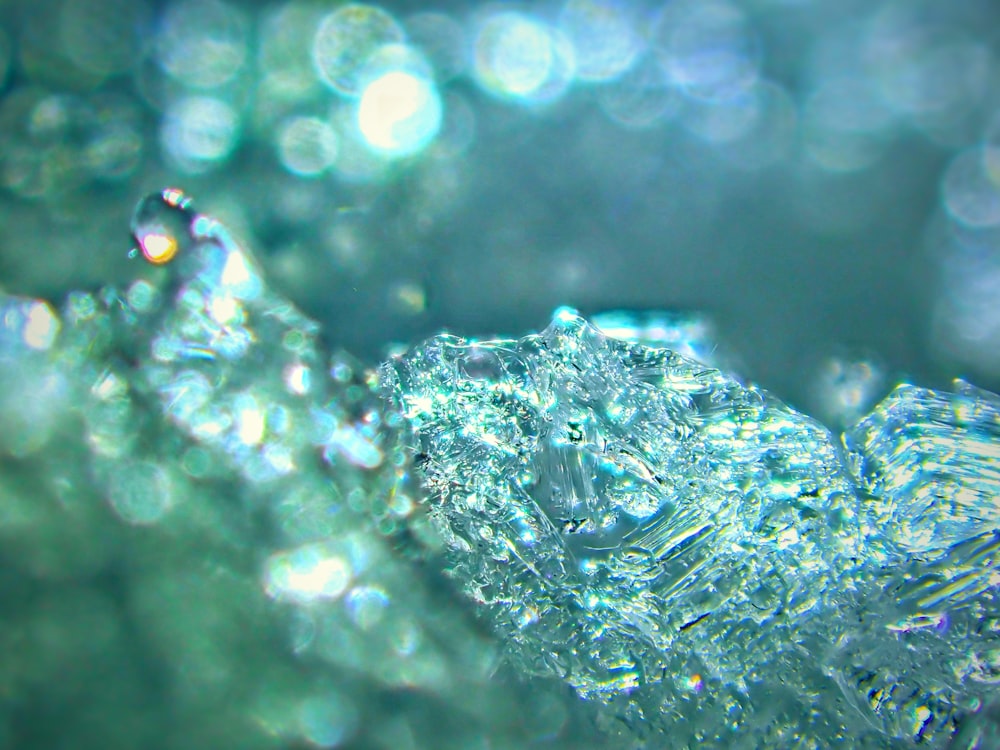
point(695, 559)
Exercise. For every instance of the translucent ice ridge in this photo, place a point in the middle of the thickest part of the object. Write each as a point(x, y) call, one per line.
point(660, 535)
point(932, 461)
point(189, 433)
point(697, 559)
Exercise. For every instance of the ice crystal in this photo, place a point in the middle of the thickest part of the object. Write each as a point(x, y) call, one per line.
point(694, 553)
point(611, 503)
point(932, 460)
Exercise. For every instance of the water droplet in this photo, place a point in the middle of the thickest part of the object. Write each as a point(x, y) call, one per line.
point(161, 224)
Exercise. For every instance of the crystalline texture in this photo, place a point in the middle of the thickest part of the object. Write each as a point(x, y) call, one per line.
point(680, 547)
point(692, 335)
point(926, 652)
point(694, 553)
point(216, 344)
point(237, 373)
point(932, 460)
point(612, 503)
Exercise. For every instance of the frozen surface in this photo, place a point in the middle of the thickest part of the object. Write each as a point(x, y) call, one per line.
point(574, 538)
point(188, 439)
point(695, 553)
point(932, 460)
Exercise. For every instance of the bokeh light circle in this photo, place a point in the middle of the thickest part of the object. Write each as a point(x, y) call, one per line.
point(202, 43)
point(346, 40)
point(140, 493)
point(970, 189)
point(514, 55)
point(603, 36)
point(707, 47)
point(307, 146)
point(198, 132)
point(399, 113)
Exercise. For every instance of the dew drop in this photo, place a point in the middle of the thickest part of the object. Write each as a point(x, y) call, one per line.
point(161, 223)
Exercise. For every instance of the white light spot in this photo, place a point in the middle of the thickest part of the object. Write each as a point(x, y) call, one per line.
point(249, 420)
point(298, 379)
point(238, 276)
point(399, 113)
point(159, 249)
point(41, 325)
point(225, 310)
point(307, 573)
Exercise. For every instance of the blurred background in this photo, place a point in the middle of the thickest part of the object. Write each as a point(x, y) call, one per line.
point(820, 179)
point(816, 181)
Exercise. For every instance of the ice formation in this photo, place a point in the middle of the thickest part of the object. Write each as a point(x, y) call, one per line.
point(696, 559)
point(662, 536)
